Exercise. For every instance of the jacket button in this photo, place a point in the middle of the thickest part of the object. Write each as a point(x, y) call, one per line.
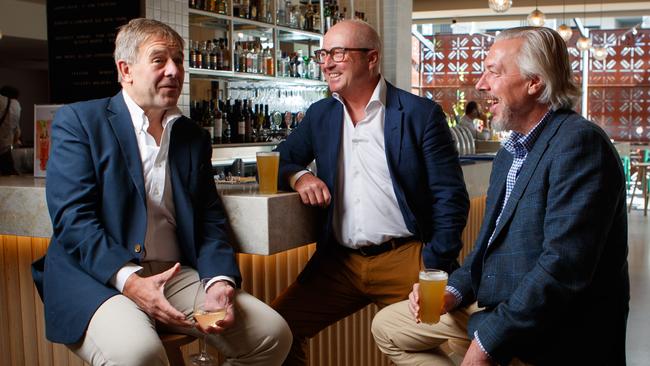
point(137, 248)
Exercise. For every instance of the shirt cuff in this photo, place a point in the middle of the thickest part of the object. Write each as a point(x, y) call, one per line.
point(456, 293)
point(221, 278)
point(119, 278)
point(294, 178)
point(478, 341)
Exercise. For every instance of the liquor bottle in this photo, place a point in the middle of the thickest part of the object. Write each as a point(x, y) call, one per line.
point(208, 119)
point(327, 13)
point(244, 12)
point(268, 61)
point(192, 58)
point(247, 123)
point(226, 54)
point(212, 65)
point(236, 8)
point(221, 7)
point(227, 131)
point(218, 122)
point(205, 56)
point(267, 118)
point(218, 52)
point(253, 9)
point(241, 123)
point(309, 19)
point(198, 63)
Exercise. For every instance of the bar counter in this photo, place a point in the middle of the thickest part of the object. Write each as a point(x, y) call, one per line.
point(273, 235)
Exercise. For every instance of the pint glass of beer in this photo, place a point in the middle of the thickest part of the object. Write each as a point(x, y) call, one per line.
point(432, 290)
point(267, 171)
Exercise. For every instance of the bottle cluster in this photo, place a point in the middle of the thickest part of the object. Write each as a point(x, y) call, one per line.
point(211, 54)
point(301, 15)
point(259, 10)
point(298, 66)
point(332, 14)
point(215, 6)
point(241, 121)
point(252, 58)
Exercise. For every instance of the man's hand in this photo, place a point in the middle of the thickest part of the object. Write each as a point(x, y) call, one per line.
point(414, 302)
point(220, 296)
point(476, 357)
point(147, 293)
point(313, 191)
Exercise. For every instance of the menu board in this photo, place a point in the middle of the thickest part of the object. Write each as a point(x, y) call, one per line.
point(81, 41)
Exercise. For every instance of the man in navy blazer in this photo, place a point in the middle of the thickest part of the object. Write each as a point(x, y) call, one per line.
point(388, 180)
point(137, 222)
point(547, 282)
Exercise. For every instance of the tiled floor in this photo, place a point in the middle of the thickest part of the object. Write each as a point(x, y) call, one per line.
point(638, 324)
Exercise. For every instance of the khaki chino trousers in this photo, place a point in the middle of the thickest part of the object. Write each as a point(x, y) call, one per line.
point(336, 283)
point(120, 333)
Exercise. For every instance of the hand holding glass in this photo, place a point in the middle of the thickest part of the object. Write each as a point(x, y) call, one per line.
point(207, 314)
point(268, 163)
point(432, 291)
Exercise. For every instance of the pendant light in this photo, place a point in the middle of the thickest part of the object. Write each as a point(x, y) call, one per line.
point(564, 30)
point(600, 52)
point(500, 6)
point(536, 18)
point(584, 43)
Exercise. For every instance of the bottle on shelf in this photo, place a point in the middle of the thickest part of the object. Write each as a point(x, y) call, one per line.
point(218, 122)
point(241, 122)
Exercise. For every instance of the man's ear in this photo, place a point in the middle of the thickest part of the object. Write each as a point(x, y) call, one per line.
point(124, 69)
point(535, 85)
point(373, 58)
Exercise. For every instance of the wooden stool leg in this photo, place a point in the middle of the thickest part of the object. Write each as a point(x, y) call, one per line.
point(172, 344)
point(175, 356)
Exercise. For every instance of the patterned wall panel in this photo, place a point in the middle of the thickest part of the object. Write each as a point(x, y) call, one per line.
point(618, 87)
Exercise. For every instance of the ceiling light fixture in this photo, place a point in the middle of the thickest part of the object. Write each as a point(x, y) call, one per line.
point(564, 30)
point(500, 6)
point(584, 43)
point(600, 52)
point(536, 18)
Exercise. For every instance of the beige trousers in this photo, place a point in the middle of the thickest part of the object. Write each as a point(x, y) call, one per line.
point(406, 342)
point(120, 333)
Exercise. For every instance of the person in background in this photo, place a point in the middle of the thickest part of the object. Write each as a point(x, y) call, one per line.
point(137, 222)
point(472, 112)
point(9, 128)
point(389, 184)
point(547, 282)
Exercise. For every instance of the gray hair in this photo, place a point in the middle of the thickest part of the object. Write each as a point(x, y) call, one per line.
point(544, 54)
point(137, 31)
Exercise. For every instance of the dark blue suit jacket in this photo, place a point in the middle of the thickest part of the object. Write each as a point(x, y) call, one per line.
point(96, 198)
point(422, 161)
point(554, 281)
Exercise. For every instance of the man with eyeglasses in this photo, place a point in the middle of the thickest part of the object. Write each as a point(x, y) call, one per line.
point(389, 184)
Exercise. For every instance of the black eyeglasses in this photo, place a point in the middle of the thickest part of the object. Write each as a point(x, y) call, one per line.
point(337, 53)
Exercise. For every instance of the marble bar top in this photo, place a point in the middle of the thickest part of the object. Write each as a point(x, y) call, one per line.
point(261, 224)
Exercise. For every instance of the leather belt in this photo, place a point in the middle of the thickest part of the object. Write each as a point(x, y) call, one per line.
point(372, 250)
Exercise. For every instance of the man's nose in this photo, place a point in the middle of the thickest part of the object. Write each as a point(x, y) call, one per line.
point(482, 85)
point(172, 68)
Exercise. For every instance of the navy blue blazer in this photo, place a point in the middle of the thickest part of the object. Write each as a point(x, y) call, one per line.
point(554, 282)
point(422, 160)
point(96, 199)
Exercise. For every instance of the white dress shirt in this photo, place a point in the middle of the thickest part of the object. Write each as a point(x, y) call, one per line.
point(160, 243)
point(366, 211)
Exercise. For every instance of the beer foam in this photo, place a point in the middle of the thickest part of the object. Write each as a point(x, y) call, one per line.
point(433, 276)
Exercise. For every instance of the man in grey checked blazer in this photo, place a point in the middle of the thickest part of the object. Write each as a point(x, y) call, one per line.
point(547, 282)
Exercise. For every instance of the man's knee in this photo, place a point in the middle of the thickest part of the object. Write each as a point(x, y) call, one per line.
point(141, 353)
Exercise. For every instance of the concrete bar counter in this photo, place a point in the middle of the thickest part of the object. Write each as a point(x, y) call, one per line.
point(273, 235)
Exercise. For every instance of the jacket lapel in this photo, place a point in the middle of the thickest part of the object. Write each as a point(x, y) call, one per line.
point(120, 121)
point(527, 170)
point(393, 126)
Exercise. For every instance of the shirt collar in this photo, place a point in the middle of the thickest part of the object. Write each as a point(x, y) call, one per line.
point(378, 95)
point(520, 145)
point(140, 120)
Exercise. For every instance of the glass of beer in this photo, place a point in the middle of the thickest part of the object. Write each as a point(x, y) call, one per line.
point(432, 290)
point(267, 171)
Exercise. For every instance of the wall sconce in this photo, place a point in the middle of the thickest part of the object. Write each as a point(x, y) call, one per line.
point(500, 6)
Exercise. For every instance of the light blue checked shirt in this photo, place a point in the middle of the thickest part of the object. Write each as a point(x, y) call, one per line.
point(519, 146)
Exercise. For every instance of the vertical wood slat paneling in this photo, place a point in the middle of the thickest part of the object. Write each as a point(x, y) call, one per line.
point(22, 339)
point(5, 348)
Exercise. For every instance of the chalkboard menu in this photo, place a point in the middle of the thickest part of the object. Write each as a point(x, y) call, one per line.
point(81, 41)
